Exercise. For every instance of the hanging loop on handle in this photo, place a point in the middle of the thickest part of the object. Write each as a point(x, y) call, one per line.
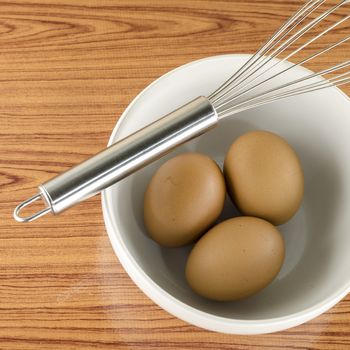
point(32, 217)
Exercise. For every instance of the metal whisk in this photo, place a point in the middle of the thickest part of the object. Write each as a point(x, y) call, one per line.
point(238, 93)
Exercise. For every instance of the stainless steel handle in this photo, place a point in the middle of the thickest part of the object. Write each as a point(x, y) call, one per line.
point(123, 158)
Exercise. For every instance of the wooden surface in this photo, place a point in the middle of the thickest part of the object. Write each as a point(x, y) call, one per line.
point(68, 69)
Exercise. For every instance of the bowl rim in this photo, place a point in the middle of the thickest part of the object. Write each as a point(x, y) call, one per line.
point(178, 308)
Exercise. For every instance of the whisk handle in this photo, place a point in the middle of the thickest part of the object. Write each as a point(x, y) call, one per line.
point(123, 158)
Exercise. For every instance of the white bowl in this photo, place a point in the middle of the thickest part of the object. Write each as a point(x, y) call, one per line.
point(316, 271)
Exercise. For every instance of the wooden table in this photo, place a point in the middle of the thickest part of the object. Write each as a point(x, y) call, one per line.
point(68, 69)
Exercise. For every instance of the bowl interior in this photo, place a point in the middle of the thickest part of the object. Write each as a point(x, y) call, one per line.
point(317, 239)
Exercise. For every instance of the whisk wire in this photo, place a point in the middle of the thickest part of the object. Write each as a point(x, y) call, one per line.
point(309, 58)
point(269, 44)
point(277, 38)
point(268, 96)
point(280, 49)
point(248, 78)
point(270, 68)
point(292, 93)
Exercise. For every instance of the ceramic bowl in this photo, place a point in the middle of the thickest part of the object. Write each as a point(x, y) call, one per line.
point(315, 274)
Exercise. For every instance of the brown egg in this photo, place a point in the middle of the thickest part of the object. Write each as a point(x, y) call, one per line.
point(184, 198)
point(235, 259)
point(264, 176)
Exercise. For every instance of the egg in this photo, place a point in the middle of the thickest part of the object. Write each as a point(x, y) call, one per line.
point(183, 199)
point(264, 176)
point(235, 259)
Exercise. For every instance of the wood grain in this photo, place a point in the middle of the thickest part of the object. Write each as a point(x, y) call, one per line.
point(67, 71)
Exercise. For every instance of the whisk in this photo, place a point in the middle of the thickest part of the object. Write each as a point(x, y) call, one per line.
point(238, 93)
